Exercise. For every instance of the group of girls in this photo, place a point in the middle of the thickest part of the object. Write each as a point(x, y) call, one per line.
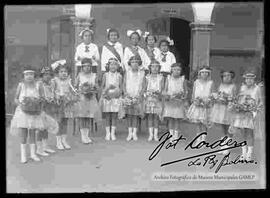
point(136, 83)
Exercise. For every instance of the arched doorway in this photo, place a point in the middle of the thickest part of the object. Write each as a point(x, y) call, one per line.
point(178, 30)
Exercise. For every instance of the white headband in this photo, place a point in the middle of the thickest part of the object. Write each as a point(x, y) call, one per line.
point(205, 70)
point(171, 42)
point(57, 63)
point(29, 71)
point(129, 32)
point(146, 34)
point(86, 29)
point(108, 29)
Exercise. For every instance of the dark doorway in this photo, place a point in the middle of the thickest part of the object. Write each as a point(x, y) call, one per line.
point(180, 33)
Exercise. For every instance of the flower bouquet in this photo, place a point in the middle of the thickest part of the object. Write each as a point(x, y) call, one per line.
point(88, 89)
point(31, 105)
point(203, 103)
point(130, 101)
point(178, 96)
point(221, 98)
point(153, 94)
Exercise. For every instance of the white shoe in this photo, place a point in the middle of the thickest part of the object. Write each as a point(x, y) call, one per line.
point(83, 136)
point(107, 137)
point(244, 153)
point(249, 153)
point(171, 133)
point(175, 135)
point(64, 142)
point(87, 138)
point(150, 134)
point(33, 153)
point(135, 134)
point(156, 134)
point(113, 133)
point(59, 144)
point(23, 153)
point(40, 150)
point(46, 148)
point(129, 137)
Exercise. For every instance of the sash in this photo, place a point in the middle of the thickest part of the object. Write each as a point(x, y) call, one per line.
point(150, 54)
point(113, 51)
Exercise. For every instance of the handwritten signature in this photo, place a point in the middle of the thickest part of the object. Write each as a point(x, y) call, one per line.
point(210, 159)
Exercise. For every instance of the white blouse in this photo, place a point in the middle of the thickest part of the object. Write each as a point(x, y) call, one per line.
point(170, 59)
point(87, 51)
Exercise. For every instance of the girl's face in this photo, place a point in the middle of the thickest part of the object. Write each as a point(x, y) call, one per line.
point(134, 65)
point(46, 77)
point(250, 81)
point(204, 75)
point(87, 37)
point(63, 73)
point(29, 77)
point(164, 47)
point(150, 40)
point(113, 67)
point(86, 68)
point(176, 71)
point(134, 38)
point(113, 37)
point(227, 78)
point(154, 69)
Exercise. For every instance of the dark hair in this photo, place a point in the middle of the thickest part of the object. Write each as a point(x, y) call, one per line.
point(62, 66)
point(45, 70)
point(29, 67)
point(113, 30)
point(154, 61)
point(135, 58)
point(92, 34)
point(163, 41)
point(86, 60)
point(135, 33)
point(231, 72)
point(146, 38)
point(107, 66)
point(179, 64)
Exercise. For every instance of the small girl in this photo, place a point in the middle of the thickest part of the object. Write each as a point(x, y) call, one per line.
point(175, 94)
point(26, 121)
point(111, 91)
point(134, 80)
point(152, 52)
point(166, 58)
point(87, 49)
point(249, 93)
point(153, 104)
point(199, 110)
point(87, 107)
point(112, 49)
point(48, 107)
point(65, 95)
point(134, 49)
point(220, 113)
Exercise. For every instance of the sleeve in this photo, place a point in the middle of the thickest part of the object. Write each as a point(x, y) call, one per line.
point(96, 53)
point(173, 59)
point(126, 58)
point(77, 55)
point(17, 94)
point(145, 59)
point(104, 58)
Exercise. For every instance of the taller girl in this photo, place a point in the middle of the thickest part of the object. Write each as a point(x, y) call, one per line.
point(151, 50)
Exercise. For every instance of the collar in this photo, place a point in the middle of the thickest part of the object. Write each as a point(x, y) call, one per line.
point(110, 43)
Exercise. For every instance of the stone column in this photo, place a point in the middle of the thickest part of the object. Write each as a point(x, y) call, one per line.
point(200, 44)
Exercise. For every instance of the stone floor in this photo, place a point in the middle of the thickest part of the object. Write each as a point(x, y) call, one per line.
point(122, 166)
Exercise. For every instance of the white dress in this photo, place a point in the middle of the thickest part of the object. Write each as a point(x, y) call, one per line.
point(113, 104)
point(203, 90)
point(87, 51)
point(220, 113)
point(174, 108)
point(166, 60)
point(22, 119)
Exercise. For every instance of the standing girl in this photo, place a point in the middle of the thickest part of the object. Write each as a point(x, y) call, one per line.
point(65, 95)
point(220, 114)
point(199, 111)
point(153, 105)
point(175, 94)
point(134, 49)
point(87, 49)
point(27, 117)
point(133, 92)
point(112, 49)
point(166, 58)
point(87, 107)
point(249, 94)
point(48, 107)
point(152, 52)
point(111, 91)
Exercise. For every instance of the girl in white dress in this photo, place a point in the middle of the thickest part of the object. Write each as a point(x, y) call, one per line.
point(199, 110)
point(166, 58)
point(87, 109)
point(245, 121)
point(175, 93)
point(87, 49)
point(110, 100)
point(135, 50)
point(153, 103)
point(220, 113)
point(134, 80)
point(23, 123)
point(112, 49)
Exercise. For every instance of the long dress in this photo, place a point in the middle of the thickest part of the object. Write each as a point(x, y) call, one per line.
point(22, 119)
point(196, 113)
point(174, 108)
point(112, 104)
point(220, 113)
point(153, 105)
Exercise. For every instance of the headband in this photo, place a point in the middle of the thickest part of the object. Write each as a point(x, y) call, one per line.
point(58, 63)
point(171, 42)
point(130, 32)
point(146, 34)
point(205, 70)
point(28, 71)
point(86, 29)
point(249, 75)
